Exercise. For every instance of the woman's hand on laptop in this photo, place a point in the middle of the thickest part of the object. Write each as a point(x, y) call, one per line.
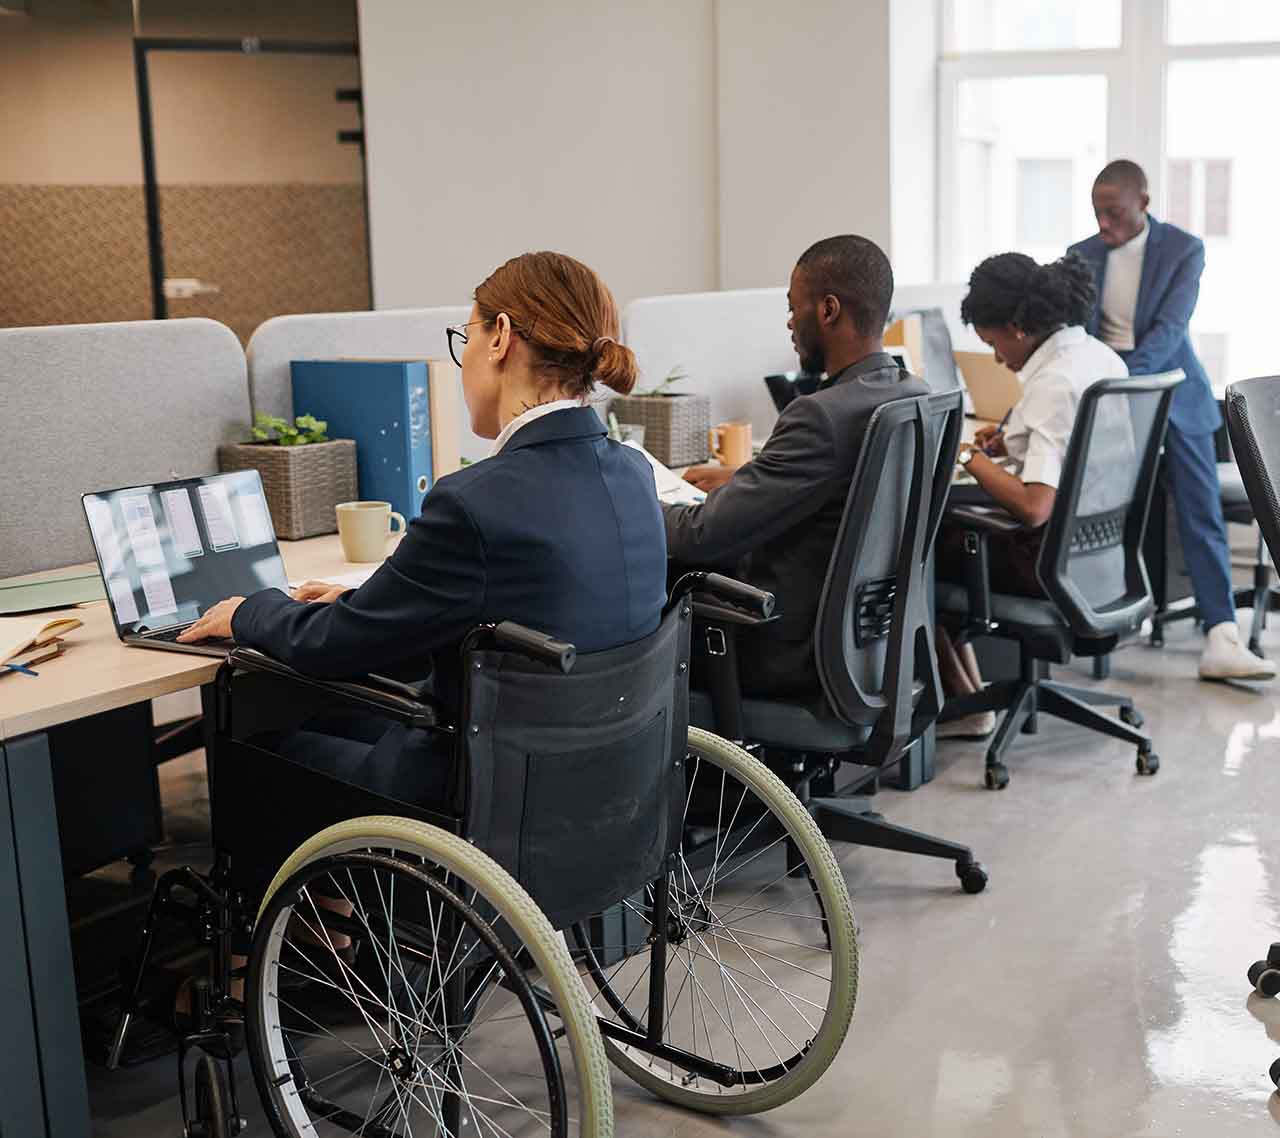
point(215, 624)
point(319, 592)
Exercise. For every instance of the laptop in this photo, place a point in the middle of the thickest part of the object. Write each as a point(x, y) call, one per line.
point(992, 387)
point(170, 551)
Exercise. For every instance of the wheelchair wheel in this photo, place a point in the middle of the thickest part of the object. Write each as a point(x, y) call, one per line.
point(400, 983)
point(211, 1111)
point(757, 954)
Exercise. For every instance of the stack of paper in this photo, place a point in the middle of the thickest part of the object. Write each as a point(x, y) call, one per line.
point(671, 489)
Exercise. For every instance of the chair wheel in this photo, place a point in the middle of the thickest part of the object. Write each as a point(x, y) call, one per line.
point(1256, 969)
point(996, 776)
point(1132, 716)
point(1148, 762)
point(1275, 1073)
point(973, 878)
point(1273, 954)
point(1267, 982)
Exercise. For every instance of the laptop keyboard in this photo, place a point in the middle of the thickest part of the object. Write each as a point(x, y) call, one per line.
point(170, 635)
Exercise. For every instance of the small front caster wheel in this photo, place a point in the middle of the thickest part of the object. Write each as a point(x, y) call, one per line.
point(211, 1110)
point(1148, 762)
point(1132, 716)
point(973, 878)
point(1275, 1073)
point(1265, 979)
point(996, 776)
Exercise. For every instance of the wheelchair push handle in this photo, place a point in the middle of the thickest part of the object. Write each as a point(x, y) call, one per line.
point(517, 638)
point(756, 601)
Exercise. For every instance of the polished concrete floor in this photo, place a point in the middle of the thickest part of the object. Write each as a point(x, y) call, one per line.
point(1095, 990)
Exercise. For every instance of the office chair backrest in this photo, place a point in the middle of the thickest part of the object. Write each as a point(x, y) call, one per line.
point(874, 636)
point(574, 782)
point(1253, 425)
point(1091, 562)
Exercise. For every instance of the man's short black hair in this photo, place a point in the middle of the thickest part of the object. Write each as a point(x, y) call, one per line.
point(856, 272)
point(1122, 172)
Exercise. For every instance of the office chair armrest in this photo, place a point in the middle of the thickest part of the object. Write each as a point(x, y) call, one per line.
point(978, 523)
point(401, 702)
point(983, 519)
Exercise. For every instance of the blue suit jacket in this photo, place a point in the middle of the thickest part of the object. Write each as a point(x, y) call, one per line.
point(1167, 294)
point(560, 531)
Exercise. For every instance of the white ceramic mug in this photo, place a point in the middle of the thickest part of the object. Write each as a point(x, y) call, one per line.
point(363, 529)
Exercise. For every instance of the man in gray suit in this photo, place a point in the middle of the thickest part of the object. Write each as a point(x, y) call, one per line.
point(775, 520)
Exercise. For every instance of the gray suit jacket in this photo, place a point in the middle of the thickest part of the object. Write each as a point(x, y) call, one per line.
point(775, 522)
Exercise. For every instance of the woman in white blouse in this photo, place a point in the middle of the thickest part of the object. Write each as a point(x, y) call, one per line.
point(1033, 316)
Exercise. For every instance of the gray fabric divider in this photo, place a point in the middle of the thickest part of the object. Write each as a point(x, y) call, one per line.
point(94, 406)
point(403, 333)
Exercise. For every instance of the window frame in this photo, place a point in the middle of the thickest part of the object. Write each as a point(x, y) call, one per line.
point(1136, 74)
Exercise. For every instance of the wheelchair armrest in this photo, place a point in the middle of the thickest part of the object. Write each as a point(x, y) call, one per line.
point(399, 701)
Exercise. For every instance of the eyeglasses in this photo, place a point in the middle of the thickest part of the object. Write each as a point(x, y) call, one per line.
point(457, 330)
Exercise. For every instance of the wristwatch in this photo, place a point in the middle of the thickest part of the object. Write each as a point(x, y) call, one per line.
point(965, 454)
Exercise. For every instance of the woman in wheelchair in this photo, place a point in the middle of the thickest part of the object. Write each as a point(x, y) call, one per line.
point(1033, 316)
point(541, 865)
point(558, 529)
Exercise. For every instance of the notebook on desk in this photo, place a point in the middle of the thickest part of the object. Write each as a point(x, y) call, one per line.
point(170, 551)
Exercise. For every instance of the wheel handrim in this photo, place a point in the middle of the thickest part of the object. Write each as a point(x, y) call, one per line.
point(432, 1029)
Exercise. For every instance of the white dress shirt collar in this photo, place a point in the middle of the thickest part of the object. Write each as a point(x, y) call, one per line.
point(527, 417)
point(1061, 339)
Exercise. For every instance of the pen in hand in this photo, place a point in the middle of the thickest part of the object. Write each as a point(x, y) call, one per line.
point(986, 449)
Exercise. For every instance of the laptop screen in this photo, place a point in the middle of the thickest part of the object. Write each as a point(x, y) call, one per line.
point(170, 551)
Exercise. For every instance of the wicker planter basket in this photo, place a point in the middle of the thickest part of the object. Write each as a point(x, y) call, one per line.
point(675, 426)
point(303, 483)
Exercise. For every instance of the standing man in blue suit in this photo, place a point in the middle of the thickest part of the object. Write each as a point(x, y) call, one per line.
point(1148, 278)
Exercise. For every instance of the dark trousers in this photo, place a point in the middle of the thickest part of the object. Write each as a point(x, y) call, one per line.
point(1192, 470)
point(367, 751)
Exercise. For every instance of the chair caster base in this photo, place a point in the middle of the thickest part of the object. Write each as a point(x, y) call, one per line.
point(1264, 978)
point(973, 878)
point(1275, 1073)
point(1147, 762)
point(1132, 716)
point(996, 776)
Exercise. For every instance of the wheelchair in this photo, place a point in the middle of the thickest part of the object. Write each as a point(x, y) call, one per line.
point(606, 886)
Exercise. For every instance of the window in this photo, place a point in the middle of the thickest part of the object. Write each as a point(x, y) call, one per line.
point(1033, 25)
point(1045, 191)
point(1026, 151)
point(1035, 96)
point(1223, 21)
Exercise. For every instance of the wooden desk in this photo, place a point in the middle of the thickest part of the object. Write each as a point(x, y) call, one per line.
point(42, 1080)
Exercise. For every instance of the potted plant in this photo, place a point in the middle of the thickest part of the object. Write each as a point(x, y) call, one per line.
point(675, 422)
point(305, 473)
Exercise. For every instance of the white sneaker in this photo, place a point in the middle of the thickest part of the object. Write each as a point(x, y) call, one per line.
point(976, 726)
point(1226, 658)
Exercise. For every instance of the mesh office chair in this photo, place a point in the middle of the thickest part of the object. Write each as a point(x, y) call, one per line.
point(1253, 423)
point(873, 640)
point(1090, 567)
point(1260, 595)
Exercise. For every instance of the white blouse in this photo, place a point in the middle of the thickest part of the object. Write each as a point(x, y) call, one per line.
point(1053, 380)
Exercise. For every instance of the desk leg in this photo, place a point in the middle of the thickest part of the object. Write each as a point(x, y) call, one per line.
point(42, 894)
point(21, 1104)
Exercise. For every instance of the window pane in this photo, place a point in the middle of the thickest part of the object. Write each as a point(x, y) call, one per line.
point(1223, 21)
point(1034, 25)
point(1212, 123)
point(1178, 193)
point(1027, 151)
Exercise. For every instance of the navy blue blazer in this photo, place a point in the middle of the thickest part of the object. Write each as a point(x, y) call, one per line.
point(560, 531)
point(1167, 294)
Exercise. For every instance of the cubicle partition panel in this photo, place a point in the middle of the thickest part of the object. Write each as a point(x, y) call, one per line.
point(727, 342)
point(91, 406)
point(406, 333)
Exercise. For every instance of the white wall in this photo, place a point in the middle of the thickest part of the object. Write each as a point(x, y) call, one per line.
point(913, 113)
point(498, 127)
point(804, 130)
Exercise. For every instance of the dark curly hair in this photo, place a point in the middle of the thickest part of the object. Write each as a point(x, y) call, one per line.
point(1010, 288)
